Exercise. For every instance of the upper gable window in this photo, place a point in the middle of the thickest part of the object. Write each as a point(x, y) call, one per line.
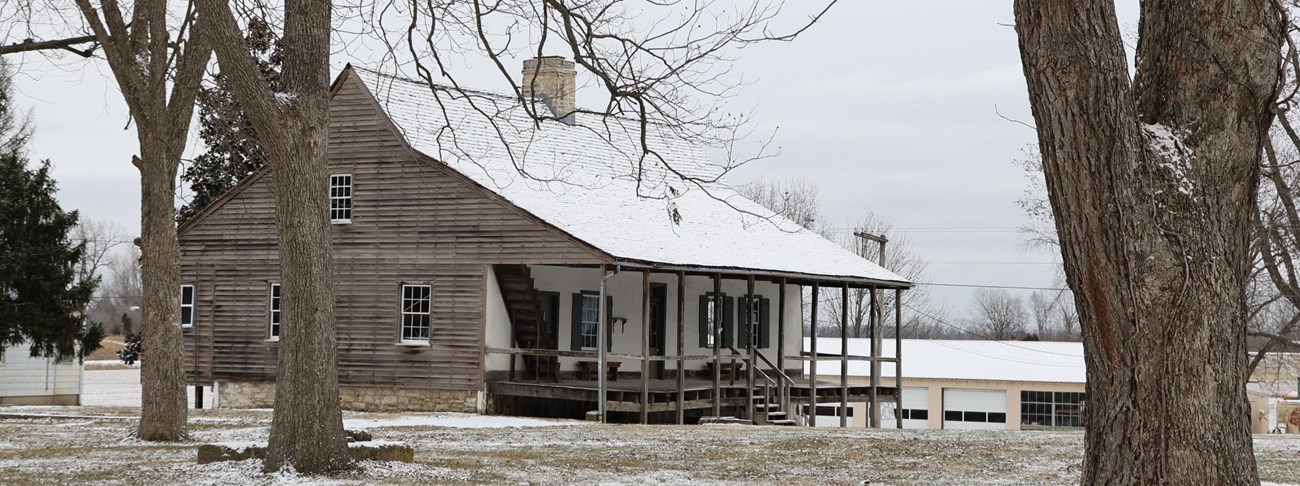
point(341, 198)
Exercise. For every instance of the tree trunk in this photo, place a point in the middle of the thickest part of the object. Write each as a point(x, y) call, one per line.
point(307, 427)
point(1153, 186)
point(163, 409)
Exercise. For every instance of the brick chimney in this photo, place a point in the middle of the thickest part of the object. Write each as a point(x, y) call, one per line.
point(550, 79)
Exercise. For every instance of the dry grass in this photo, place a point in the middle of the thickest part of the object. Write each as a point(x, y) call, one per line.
point(46, 451)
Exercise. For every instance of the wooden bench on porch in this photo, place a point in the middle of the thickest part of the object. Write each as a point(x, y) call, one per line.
point(587, 369)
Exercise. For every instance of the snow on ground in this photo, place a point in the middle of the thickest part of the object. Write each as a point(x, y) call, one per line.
point(454, 420)
point(121, 388)
point(78, 445)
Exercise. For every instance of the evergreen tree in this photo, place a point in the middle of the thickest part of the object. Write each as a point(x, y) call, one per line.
point(42, 302)
point(233, 151)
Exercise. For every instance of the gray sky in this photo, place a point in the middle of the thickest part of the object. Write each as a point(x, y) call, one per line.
point(886, 106)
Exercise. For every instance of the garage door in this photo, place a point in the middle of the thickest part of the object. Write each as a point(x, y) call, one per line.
point(974, 409)
point(916, 402)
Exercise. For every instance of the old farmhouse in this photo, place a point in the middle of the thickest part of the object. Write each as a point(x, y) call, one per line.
point(472, 249)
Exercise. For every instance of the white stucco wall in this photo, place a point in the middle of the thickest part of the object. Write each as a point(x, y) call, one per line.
point(24, 376)
point(496, 328)
point(625, 288)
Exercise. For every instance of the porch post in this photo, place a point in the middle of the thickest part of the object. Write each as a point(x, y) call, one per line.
point(601, 335)
point(876, 336)
point(780, 348)
point(717, 342)
point(749, 344)
point(898, 356)
point(645, 345)
point(844, 354)
point(681, 349)
point(812, 363)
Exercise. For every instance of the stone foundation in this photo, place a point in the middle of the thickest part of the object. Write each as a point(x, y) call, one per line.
point(361, 398)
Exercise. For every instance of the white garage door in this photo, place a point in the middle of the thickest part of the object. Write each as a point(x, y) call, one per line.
point(916, 404)
point(828, 414)
point(974, 409)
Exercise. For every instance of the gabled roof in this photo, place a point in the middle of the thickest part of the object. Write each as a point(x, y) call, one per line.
point(580, 181)
point(1038, 361)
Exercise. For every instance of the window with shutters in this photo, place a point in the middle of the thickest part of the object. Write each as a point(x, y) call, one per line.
point(710, 322)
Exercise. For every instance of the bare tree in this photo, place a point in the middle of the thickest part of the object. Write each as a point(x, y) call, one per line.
point(158, 66)
point(998, 314)
point(794, 199)
point(1152, 182)
point(120, 294)
point(101, 238)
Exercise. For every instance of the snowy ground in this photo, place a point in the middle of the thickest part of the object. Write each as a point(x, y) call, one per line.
point(91, 444)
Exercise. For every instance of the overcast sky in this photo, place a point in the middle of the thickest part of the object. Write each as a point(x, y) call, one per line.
point(886, 106)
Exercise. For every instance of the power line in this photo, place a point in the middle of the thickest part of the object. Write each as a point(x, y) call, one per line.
point(978, 286)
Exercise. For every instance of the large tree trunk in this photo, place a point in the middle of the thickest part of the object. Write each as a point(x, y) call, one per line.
point(1153, 185)
point(163, 409)
point(307, 428)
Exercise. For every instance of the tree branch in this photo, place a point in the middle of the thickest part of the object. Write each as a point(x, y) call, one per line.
point(67, 44)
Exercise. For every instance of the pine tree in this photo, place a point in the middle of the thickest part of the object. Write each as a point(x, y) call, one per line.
point(233, 151)
point(42, 302)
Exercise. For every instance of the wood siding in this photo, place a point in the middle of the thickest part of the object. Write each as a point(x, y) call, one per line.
point(413, 221)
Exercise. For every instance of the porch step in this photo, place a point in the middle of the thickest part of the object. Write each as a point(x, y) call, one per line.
point(784, 422)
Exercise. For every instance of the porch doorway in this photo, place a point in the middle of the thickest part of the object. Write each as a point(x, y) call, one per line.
point(658, 327)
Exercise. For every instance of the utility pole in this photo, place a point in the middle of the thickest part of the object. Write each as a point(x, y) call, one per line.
point(874, 412)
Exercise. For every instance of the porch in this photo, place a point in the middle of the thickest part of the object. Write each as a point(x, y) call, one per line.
point(740, 355)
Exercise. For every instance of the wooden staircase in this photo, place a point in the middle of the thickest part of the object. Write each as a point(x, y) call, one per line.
point(528, 327)
point(768, 409)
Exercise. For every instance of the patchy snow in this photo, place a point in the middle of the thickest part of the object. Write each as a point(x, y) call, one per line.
point(1175, 155)
point(456, 420)
point(583, 179)
point(121, 388)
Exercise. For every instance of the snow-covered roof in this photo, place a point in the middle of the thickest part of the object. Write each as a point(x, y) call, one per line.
point(1040, 361)
point(580, 179)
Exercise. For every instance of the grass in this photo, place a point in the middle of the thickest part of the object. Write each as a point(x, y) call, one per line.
point(45, 451)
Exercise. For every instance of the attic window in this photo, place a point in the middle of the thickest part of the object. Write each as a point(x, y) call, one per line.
point(187, 305)
point(341, 198)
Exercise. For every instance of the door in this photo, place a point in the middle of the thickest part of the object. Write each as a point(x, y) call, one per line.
point(916, 404)
point(658, 328)
point(550, 304)
point(974, 409)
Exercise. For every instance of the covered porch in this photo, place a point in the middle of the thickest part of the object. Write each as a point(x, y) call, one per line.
point(679, 344)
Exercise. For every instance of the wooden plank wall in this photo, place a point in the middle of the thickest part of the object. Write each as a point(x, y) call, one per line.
point(412, 222)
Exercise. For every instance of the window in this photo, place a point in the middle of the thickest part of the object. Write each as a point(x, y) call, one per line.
point(828, 410)
point(187, 306)
point(341, 198)
point(960, 416)
point(1041, 409)
point(915, 414)
point(274, 311)
point(710, 322)
point(590, 320)
point(415, 314)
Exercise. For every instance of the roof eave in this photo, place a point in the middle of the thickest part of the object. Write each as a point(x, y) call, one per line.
point(757, 272)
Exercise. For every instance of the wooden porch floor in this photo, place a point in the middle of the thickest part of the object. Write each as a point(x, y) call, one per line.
point(624, 395)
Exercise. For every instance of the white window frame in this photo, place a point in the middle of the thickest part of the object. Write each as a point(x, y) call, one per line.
point(194, 297)
point(273, 312)
point(416, 311)
point(340, 215)
point(755, 318)
point(594, 336)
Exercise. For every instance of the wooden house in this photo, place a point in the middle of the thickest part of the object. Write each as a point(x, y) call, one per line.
point(472, 249)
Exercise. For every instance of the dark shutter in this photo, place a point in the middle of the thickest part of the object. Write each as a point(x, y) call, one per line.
point(704, 321)
point(765, 323)
point(609, 323)
point(575, 331)
point(728, 318)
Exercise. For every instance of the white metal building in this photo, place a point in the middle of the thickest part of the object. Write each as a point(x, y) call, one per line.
point(981, 385)
point(38, 381)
